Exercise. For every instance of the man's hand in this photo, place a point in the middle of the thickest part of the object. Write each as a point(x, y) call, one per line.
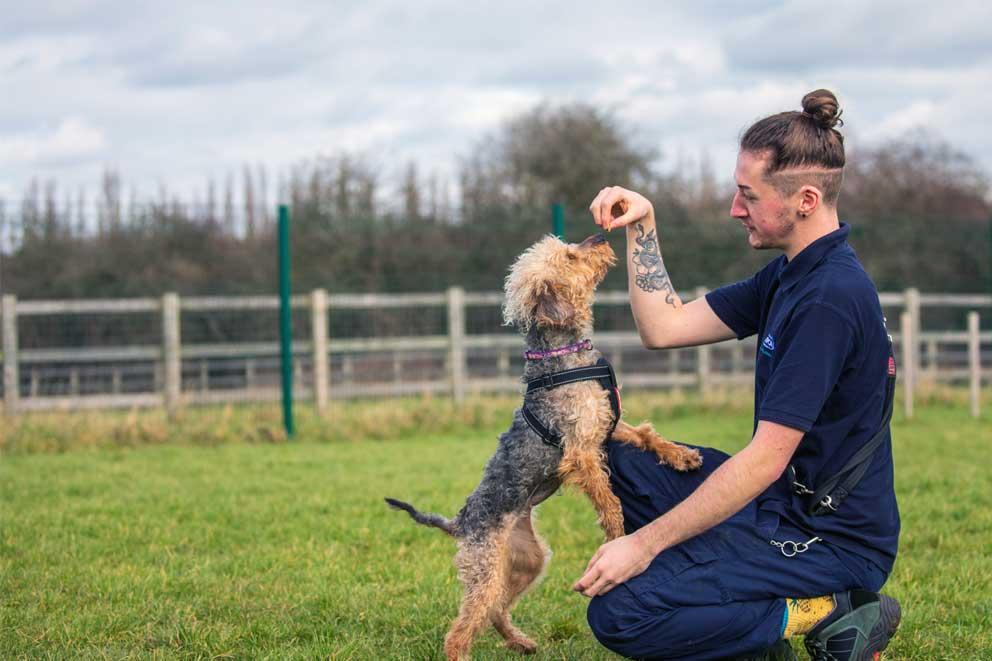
point(618, 207)
point(614, 563)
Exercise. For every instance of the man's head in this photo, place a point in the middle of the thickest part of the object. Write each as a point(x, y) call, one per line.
point(789, 172)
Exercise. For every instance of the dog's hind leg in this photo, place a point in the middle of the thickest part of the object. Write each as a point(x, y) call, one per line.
point(586, 469)
point(644, 436)
point(483, 565)
point(527, 557)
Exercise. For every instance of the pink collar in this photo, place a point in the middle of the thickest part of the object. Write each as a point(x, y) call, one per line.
point(559, 351)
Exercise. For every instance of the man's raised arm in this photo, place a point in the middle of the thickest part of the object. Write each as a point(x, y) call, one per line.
point(662, 319)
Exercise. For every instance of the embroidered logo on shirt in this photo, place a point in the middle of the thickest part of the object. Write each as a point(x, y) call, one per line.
point(768, 345)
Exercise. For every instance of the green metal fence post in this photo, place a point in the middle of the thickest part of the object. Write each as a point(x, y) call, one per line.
point(285, 322)
point(558, 220)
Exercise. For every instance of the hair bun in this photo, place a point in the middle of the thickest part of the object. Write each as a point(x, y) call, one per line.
point(822, 106)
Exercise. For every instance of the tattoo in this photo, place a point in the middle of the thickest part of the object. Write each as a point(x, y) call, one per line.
point(650, 268)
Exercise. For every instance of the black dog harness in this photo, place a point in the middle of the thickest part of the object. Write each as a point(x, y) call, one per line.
point(602, 372)
point(831, 493)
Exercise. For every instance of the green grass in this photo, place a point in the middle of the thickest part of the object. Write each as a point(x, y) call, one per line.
point(161, 547)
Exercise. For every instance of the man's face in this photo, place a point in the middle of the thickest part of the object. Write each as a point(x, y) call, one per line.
point(763, 212)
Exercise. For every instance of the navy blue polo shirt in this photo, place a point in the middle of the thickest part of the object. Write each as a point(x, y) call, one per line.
point(821, 367)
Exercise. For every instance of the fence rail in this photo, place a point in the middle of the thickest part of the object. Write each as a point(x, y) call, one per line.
point(172, 373)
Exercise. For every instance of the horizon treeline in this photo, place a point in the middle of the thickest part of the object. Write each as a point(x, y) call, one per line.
point(920, 211)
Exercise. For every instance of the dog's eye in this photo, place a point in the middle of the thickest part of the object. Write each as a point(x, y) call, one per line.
point(571, 255)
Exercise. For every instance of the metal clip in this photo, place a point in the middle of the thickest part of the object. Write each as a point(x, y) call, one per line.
point(790, 548)
point(828, 502)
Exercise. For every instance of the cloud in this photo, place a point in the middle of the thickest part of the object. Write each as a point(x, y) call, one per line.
point(809, 36)
point(174, 94)
point(72, 141)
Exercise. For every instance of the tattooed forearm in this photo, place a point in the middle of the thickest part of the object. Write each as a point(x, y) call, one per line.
point(650, 273)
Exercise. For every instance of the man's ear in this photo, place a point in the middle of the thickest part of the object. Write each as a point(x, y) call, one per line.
point(552, 310)
point(809, 200)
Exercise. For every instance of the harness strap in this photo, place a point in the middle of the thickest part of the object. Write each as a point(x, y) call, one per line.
point(602, 372)
point(553, 380)
point(547, 435)
point(831, 493)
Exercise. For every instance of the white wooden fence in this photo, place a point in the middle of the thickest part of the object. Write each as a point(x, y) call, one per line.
point(182, 373)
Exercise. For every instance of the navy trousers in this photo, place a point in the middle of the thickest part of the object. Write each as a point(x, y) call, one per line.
point(720, 594)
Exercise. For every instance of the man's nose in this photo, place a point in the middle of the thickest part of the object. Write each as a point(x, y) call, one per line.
point(737, 209)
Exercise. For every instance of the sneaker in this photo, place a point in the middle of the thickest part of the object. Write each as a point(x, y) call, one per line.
point(858, 628)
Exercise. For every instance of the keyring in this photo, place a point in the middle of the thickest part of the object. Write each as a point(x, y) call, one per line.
point(790, 548)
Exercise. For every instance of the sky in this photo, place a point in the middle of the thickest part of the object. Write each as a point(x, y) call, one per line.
point(171, 94)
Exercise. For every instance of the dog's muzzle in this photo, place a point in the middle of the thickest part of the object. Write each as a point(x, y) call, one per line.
point(594, 240)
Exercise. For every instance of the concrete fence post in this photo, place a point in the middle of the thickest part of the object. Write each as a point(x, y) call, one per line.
point(909, 368)
point(974, 363)
point(318, 330)
point(171, 352)
point(456, 342)
point(11, 374)
point(702, 356)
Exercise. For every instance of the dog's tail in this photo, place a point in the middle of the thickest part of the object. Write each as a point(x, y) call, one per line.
point(435, 520)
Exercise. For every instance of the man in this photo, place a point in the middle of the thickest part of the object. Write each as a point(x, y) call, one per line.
point(732, 561)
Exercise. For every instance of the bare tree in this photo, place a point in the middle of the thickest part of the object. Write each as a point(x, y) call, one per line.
point(50, 223)
point(81, 229)
point(31, 212)
point(411, 193)
point(134, 215)
point(342, 193)
point(265, 217)
point(249, 194)
point(211, 209)
point(438, 204)
point(110, 203)
point(229, 205)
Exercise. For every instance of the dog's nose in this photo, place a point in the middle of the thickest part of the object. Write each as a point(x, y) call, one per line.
point(594, 240)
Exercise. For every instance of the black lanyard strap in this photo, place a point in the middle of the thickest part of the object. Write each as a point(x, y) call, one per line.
point(831, 493)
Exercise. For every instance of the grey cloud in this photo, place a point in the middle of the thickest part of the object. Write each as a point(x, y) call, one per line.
point(808, 36)
point(167, 58)
point(425, 81)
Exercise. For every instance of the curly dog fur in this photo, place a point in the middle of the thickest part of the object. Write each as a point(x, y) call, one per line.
point(549, 297)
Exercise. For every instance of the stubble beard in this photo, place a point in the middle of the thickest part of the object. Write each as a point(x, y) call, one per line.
point(777, 237)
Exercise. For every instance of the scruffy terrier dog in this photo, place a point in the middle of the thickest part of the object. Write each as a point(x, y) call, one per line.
point(549, 295)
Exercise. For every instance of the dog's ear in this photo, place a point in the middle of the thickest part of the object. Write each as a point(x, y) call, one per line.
point(551, 310)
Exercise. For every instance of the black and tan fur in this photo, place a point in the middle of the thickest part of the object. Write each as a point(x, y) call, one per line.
point(549, 296)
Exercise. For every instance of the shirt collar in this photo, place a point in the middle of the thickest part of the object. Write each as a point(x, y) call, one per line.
point(813, 254)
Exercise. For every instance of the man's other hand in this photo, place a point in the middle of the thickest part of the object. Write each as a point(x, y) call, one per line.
point(614, 562)
point(618, 207)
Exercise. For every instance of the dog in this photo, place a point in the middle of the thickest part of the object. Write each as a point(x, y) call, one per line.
point(556, 438)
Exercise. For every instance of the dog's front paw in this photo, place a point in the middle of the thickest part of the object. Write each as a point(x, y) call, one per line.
point(686, 459)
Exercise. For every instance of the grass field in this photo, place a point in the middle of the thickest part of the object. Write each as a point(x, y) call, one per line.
point(123, 537)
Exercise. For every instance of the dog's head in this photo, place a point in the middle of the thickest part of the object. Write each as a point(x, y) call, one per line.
point(552, 283)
